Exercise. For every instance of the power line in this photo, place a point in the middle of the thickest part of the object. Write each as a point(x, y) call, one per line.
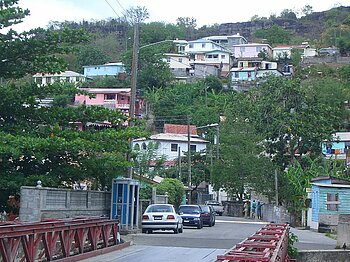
point(120, 5)
point(112, 8)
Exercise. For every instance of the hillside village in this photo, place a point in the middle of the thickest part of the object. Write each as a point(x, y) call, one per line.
point(232, 120)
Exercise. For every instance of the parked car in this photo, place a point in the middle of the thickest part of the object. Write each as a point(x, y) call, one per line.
point(208, 215)
point(218, 207)
point(191, 215)
point(163, 217)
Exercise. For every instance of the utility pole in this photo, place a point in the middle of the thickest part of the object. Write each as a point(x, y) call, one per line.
point(179, 162)
point(276, 186)
point(134, 67)
point(189, 157)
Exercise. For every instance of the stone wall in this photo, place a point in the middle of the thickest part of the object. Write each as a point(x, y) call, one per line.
point(324, 256)
point(337, 60)
point(343, 232)
point(233, 209)
point(41, 203)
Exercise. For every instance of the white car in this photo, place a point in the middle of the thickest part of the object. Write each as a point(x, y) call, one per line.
point(161, 217)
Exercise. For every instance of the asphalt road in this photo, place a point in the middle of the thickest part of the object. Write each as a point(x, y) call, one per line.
point(202, 244)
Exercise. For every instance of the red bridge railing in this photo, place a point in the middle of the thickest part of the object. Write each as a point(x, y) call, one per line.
point(55, 239)
point(270, 243)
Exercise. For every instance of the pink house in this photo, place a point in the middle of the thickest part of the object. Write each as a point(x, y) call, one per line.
point(112, 98)
point(251, 50)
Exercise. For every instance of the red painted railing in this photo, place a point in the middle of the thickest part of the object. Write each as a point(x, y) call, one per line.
point(55, 239)
point(270, 243)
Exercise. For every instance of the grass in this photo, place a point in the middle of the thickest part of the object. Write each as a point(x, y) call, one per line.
point(331, 235)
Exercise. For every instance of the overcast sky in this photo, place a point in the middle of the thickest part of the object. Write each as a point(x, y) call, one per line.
point(205, 12)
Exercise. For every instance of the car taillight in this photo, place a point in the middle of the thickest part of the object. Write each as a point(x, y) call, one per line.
point(205, 214)
point(170, 217)
point(145, 217)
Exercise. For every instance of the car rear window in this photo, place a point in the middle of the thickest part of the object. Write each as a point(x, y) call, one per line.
point(189, 210)
point(205, 208)
point(159, 208)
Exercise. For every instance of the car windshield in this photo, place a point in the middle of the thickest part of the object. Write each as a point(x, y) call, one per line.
point(159, 208)
point(189, 210)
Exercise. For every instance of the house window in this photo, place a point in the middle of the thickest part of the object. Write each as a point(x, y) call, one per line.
point(173, 147)
point(236, 75)
point(223, 56)
point(48, 80)
point(168, 59)
point(193, 148)
point(39, 80)
point(144, 147)
point(203, 45)
point(109, 97)
point(180, 60)
point(122, 98)
point(332, 201)
point(190, 45)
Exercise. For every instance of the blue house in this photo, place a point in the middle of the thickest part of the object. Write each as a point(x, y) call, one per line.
point(330, 198)
point(109, 69)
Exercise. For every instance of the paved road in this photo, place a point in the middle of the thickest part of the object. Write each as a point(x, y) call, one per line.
point(202, 244)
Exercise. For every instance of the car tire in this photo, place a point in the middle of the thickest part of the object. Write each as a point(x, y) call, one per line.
point(176, 230)
point(220, 214)
point(210, 224)
point(149, 231)
point(181, 230)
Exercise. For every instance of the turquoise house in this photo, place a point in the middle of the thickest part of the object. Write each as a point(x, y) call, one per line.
point(109, 69)
point(330, 197)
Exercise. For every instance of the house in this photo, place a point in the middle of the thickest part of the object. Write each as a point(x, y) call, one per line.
point(228, 40)
point(330, 198)
point(180, 66)
point(66, 76)
point(281, 52)
point(172, 143)
point(251, 50)
point(112, 98)
point(211, 53)
point(108, 69)
point(337, 147)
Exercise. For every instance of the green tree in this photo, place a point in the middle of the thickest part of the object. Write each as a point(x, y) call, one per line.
point(274, 35)
point(33, 51)
point(174, 188)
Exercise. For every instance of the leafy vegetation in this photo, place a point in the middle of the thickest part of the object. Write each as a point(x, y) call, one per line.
point(174, 189)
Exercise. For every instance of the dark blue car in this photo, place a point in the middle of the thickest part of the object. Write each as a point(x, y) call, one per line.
point(191, 215)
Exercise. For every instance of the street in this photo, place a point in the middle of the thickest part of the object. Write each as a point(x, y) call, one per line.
point(202, 244)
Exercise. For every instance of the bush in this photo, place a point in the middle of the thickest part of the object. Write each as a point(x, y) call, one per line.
point(174, 188)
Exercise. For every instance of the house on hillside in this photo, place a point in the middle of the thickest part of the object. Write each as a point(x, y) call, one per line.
point(281, 52)
point(179, 65)
point(337, 147)
point(108, 69)
point(66, 76)
point(112, 98)
point(228, 41)
point(208, 52)
point(251, 50)
point(330, 197)
point(172, 143)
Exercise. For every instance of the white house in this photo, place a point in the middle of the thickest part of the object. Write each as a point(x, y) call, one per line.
point(66, 76)
point(173, 142)
point(281, 52)
point(228, 40)
point(179, 64)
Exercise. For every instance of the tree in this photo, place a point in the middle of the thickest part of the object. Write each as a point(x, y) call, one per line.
point(274, 35)
point(33, 51)
point(174, 189)
point(307, 9)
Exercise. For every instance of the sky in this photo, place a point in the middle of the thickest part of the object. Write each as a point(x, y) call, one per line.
point(205, 12)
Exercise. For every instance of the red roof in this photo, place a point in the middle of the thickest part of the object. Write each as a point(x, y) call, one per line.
point(179, 129)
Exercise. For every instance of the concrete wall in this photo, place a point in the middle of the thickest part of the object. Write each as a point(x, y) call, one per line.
point(324, 256)
point(272, 213)
point(325, 59)
point(343, 231)
point(39, 203)
point(233, 209)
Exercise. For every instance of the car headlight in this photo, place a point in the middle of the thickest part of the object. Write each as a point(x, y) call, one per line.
point(196, 218)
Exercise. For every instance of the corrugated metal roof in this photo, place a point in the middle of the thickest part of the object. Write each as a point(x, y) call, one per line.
point(173, 137)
